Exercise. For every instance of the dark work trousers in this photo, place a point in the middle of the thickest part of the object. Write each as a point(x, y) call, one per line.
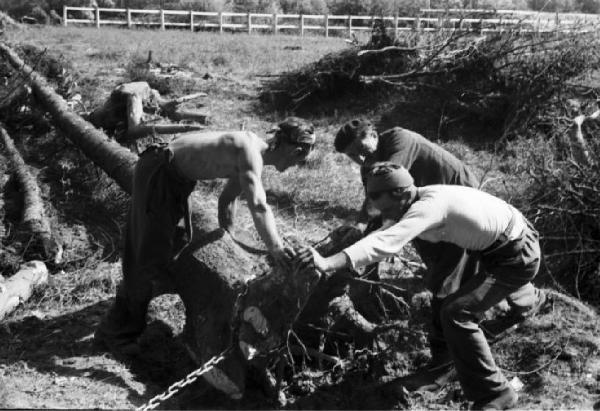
point(158, 202)
point(507, 270)
point(448, 267)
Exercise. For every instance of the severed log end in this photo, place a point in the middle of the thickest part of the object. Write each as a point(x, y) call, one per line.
point(147, 130)
point(20, 286)
point(180, 114)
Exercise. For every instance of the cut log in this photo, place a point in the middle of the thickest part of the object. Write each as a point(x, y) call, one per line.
point(181, 114)
point(19, 287)
point(188, 97)
point(146, 130)
point(34, 218)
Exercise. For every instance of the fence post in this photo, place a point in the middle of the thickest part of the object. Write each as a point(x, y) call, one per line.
point(220, 22)
point(302, 25)
point(349, 25)
point(129, 22)
point(162, 19)
point(249, 23)
point(417, 28)
point(326, 25)
point(274, 23)
point(192, 21)
point(65, 15)
point(97, 17)
point(396, 25)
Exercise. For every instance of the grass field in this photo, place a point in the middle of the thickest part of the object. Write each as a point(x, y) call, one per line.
point(47, 359)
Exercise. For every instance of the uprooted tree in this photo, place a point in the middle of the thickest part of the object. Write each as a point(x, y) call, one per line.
point(230, 304)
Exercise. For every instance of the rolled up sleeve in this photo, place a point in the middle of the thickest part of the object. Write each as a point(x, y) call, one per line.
point(420, 217)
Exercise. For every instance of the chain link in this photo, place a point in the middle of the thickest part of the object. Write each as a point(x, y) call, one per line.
point(178, 385)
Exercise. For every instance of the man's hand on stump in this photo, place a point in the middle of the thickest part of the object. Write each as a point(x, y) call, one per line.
point(283, 257)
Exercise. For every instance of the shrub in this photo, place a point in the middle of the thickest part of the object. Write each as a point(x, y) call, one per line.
point(565, 207)
point(461, 84)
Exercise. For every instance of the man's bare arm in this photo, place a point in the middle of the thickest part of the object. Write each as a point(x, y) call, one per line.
point(262, 215)
point(363, 215)
point(228, 203)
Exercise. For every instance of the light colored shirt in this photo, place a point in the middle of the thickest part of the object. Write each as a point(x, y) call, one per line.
point(467, 217)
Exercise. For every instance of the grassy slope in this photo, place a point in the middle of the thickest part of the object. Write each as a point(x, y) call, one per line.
point(49, 361)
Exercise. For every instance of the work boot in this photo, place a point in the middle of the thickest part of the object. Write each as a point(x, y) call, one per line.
point(128, 347)
point(433, 376)
point(497, 328)
point(118, 332)
point(503, 400)
point(430, 379)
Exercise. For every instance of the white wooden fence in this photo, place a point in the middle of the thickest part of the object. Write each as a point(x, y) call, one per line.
point(429, 20)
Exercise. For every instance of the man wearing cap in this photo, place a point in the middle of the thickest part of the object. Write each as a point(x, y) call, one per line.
point(164, 177)
point(448, 265)
point(505, 241)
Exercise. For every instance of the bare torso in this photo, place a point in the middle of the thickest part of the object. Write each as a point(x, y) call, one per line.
point(217, 154)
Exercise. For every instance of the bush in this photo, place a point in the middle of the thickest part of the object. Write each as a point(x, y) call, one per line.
point(303, 7)
point(494, 85)
point(565, 208)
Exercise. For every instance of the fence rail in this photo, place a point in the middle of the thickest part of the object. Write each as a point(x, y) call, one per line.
point(481, 21)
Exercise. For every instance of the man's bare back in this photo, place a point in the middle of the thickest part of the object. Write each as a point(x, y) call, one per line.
point(217, 154)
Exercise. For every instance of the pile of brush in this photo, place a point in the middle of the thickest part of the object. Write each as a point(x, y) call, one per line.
point(499, 81)
point(565, 206)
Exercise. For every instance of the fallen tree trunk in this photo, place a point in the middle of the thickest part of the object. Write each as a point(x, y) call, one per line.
point(20, 286)
point(34, 218)
point(114, 159)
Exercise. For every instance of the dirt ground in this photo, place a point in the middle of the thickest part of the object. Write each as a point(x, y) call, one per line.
point(47, 355)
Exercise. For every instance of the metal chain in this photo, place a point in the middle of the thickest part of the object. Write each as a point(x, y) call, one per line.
point(177, 386)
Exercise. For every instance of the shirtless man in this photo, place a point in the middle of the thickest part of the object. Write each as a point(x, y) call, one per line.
point(164, 178)
point(509, 251)
point(131, 106)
